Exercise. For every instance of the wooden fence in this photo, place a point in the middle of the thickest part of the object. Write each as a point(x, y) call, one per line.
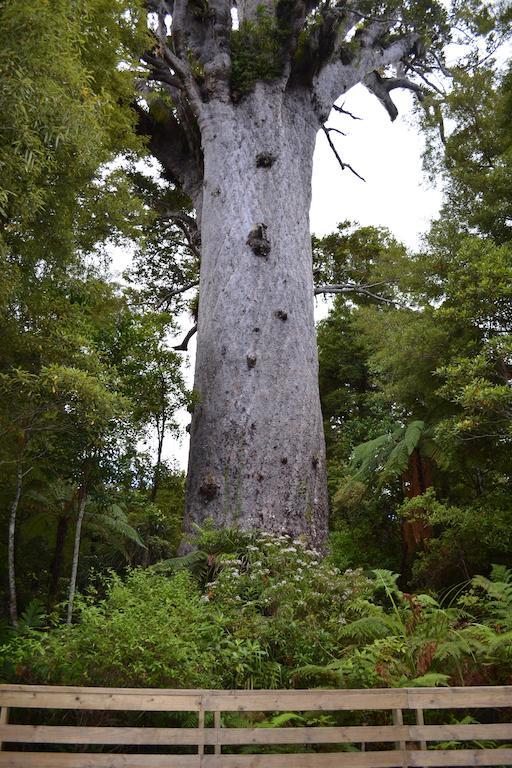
point(406, 741)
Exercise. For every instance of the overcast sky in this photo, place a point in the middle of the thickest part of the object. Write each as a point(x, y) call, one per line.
point(396, 193)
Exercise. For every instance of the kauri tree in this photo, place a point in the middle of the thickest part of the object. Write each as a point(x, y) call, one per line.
point(237, 98)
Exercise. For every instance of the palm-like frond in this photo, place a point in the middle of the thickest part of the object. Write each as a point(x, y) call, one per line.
point(112, 519)
point(195, 561)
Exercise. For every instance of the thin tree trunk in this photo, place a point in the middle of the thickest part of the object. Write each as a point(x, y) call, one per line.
point(56, 564)
point(257, 457)
point(82, 500)
point(13, 605)
point(158, 466)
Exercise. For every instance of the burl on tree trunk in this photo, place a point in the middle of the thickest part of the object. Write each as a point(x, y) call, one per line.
point(237, 133)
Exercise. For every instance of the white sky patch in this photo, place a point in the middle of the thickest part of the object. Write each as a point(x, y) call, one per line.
point(395, 193)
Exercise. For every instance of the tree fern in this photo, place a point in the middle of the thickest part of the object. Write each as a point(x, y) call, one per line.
point(114, 519)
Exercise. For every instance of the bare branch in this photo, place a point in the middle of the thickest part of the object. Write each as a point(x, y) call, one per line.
point(176, 292)
point(353, 288)
point(334, 130)
point(427, 82)
point(160, 71)
point(382, 86)
point(338, 158)
point(344, 111)
point(188, 226)
point(183, 68)
point(184, 344)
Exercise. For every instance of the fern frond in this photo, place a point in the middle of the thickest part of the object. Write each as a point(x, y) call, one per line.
point(282, 719)
point(369, 628)
point(313, 674)
point(429, 680)
point(194, 561)
point(116, 524)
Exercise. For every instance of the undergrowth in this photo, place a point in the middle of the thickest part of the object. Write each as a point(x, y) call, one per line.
point(264, 611)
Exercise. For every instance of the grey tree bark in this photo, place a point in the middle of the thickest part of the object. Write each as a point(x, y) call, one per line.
point(257, 457)
point(82, 501)
point(13, 603)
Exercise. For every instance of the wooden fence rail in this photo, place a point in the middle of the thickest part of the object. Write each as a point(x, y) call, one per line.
point(405, 741)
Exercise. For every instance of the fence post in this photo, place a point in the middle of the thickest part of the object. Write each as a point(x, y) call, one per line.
point(217, 724)
point(4, 719)
point(398, 719)
point(420, 721)
point(200, 726)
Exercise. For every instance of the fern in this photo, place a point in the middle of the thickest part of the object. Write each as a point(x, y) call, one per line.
point(31, 619)
point(115, 520)
point(429, 680)
point(501, 573)
point(369, 628)
point(196, 562)
point(313, 674)
point(283, 719)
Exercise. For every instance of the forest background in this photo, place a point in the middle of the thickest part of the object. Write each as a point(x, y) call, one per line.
point(415, 379)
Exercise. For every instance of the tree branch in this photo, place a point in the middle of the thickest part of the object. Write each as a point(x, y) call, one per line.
point(188, 226)
point(183, 347)
point(177, 292)
point(343, 165)
point(382, 86)
point(333, 130)
point(344, 111)
point(353, 288)
point(338, 76)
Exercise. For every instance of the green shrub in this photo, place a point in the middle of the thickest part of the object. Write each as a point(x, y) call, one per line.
point(258, 610)
point(149, 630)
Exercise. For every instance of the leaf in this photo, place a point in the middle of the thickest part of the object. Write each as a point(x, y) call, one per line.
point(118, 524)
point(429, 680)
point(413, 435)
point(284, 718)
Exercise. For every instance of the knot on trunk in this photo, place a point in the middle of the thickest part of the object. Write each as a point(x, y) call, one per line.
point(265, 160)
point(258, 240)
point(281, 315)
point(251, 361)
point(209, 488)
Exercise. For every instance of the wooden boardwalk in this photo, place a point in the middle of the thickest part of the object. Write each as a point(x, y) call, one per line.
point(405, 741)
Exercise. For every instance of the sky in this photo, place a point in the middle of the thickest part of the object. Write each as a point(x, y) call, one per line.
point(395, 193)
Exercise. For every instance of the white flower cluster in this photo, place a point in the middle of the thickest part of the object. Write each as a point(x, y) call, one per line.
point(279, 564)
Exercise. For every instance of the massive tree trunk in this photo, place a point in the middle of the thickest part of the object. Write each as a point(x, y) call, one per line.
point(257, 455)
point(236, 130)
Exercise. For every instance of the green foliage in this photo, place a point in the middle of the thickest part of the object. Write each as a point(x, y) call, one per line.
point(147, 631)
point(256, 52)
point(250, 626)
point(62, 115)
point(272, 615)
point(439, 357)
